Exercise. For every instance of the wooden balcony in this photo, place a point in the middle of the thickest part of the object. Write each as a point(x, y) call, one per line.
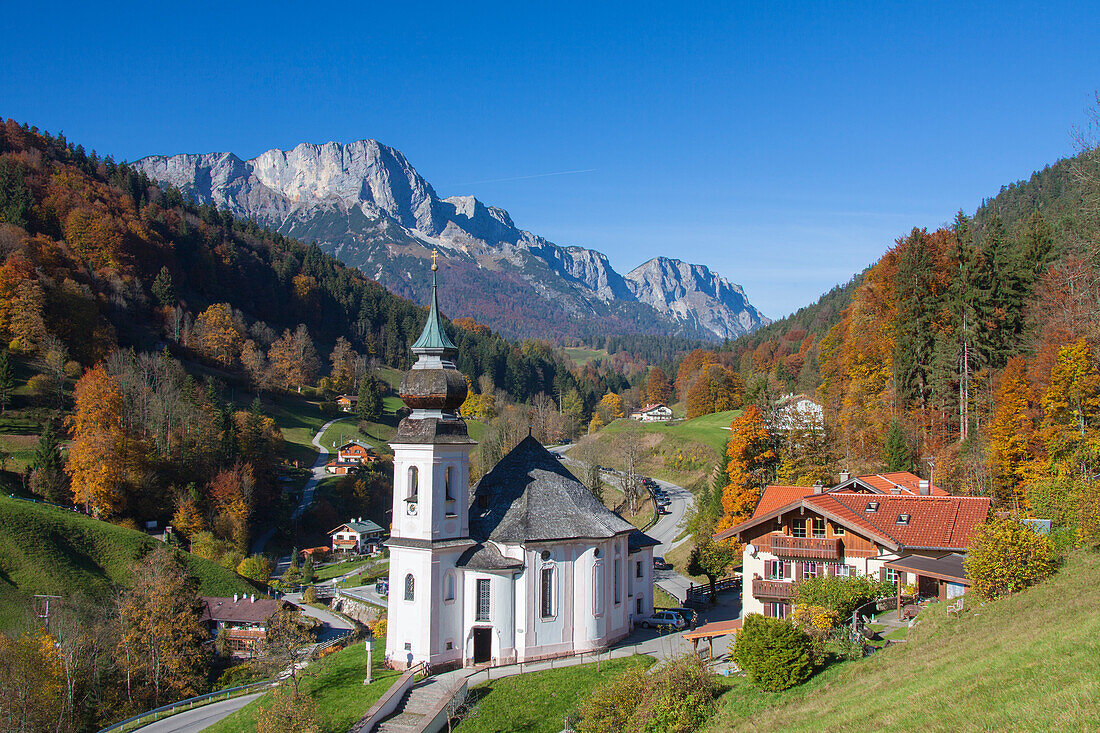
point(819, 549)
point(772, 589)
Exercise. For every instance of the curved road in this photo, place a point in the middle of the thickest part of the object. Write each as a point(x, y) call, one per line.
point(665, 531)
point(318, 470)
point(191, 721)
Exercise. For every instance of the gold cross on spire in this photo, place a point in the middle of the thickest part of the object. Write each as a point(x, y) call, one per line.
point(435, 256)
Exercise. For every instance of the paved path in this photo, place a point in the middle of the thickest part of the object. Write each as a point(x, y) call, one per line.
point(318, 470)
point(192, 721)
point(666, 530)
point(334, 624)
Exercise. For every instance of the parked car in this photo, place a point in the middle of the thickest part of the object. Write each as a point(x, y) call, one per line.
point(689, 615)
point(659, 563)
point(663, 620)
point(382, 587)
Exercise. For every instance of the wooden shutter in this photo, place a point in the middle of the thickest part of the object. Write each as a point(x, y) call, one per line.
point(798, 571)
point(882, 573)
point(768, 611)
point(901, 575)
point(830, 570)
point(787, 569)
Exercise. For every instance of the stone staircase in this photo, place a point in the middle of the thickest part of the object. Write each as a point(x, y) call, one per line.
point(411, 714)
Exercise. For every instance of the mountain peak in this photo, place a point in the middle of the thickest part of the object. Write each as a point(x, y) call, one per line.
point(364, 202)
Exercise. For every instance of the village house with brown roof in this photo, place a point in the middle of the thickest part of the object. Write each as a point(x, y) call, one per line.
point(875, 526)
point(241, 620)
point(350, 456)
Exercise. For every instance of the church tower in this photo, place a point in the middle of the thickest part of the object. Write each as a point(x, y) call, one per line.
point(430, 530)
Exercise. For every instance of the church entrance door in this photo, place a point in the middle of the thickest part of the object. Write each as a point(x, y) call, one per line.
point(483, 645)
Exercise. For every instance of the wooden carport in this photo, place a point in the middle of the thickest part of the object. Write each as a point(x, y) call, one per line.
point(944, 570)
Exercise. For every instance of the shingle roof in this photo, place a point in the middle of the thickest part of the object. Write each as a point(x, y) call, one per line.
point(530, 496)
point(638, 540)
point(243, 610)
point(486, 557)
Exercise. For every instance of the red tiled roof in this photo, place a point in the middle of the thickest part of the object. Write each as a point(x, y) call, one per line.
point(934, 521)
point(775, 497)
point(884, 482)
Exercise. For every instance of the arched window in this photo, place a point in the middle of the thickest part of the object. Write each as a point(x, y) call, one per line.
point(597, 588)
point(409, 589)
point(449, 586)
point(449, 483)
point(414, 478)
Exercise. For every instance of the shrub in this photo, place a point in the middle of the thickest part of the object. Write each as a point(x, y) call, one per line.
point(842, 594)
point(288, 711)
point(774, 653)
point(678, 698)
point(612, 704)
point(1007, 555)
point(255, 567)
point(816, 619)
point(309, 595)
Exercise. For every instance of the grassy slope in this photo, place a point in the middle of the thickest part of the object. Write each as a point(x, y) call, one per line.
point(582, 356)
point(538, 702)
point(682, 452)
point(336, 684)
point(1027, 662)
point(53, 551)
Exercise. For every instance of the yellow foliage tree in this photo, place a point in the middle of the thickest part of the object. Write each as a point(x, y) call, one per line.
point(31, 683)
point(595, 423)
point(610, 407)
point(1071, 411)
point(1010, 434)
point(218, 335)
point(96, 456)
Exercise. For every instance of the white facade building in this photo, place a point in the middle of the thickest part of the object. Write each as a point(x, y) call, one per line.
point(528, 564)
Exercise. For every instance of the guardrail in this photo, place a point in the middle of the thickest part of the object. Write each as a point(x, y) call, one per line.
point(701, 593)
point(150, 716)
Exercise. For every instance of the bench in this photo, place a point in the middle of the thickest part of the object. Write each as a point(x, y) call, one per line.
point(956, 607)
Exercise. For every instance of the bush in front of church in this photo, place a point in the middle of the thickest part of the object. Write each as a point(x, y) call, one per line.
point(774, 653)
point(677, 698)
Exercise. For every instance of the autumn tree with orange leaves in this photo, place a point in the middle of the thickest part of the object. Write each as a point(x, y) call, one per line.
point(751, 457)
point(96, 466)
point(1010, 434)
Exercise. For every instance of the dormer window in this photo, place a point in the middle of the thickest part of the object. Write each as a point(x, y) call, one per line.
point(872, 507)
point(903, 519)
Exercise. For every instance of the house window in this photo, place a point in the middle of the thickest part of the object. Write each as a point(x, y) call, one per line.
point(809, 570)
point(449, 586)
point(483, 599)
point(872, 507)
point(817, 527)
point(837, 530)
point(777, 610)
point(618, 581)
point(903, 519)
point(891, 575)
point(841, 571)
point(777, 570)
point(638, 606)
point(449, 483)
point(450, 645)
point(546, 605)
point(414, 479)
point(638, 569)
point(798, 528)
point(409, 589)
point(597, 588)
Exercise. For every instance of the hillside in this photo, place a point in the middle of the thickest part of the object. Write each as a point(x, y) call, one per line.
point(1027, 662)
point(364, 203)
point(46, 550)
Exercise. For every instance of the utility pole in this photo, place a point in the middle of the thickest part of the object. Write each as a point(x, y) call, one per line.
point(45, 613)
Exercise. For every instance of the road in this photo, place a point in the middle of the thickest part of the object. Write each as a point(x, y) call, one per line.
point(192, 721)
point(334, 625)
point(318, 473)
point(665, 531)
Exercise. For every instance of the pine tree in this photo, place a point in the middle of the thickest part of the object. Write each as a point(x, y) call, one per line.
point(163, 288)
point(916, 309)
point(7, 381)
point(898, 456)
point(369, 405)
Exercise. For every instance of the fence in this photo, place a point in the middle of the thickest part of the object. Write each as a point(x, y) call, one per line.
point(164, 711)
point(702, 593)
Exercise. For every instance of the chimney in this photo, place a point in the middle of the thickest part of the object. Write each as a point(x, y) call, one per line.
point(818, 487)
point(234, 597)
point(895, 489)
point(925, 487)
point(253, 597)
point(844, 476)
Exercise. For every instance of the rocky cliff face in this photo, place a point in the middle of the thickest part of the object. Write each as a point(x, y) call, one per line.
point(366, 204)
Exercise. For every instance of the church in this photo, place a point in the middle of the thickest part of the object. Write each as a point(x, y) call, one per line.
point(525, 565)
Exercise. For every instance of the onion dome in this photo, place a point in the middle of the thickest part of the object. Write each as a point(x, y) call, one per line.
point(434, 387)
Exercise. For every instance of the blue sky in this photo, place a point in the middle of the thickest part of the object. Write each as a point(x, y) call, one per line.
point(785, 145)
